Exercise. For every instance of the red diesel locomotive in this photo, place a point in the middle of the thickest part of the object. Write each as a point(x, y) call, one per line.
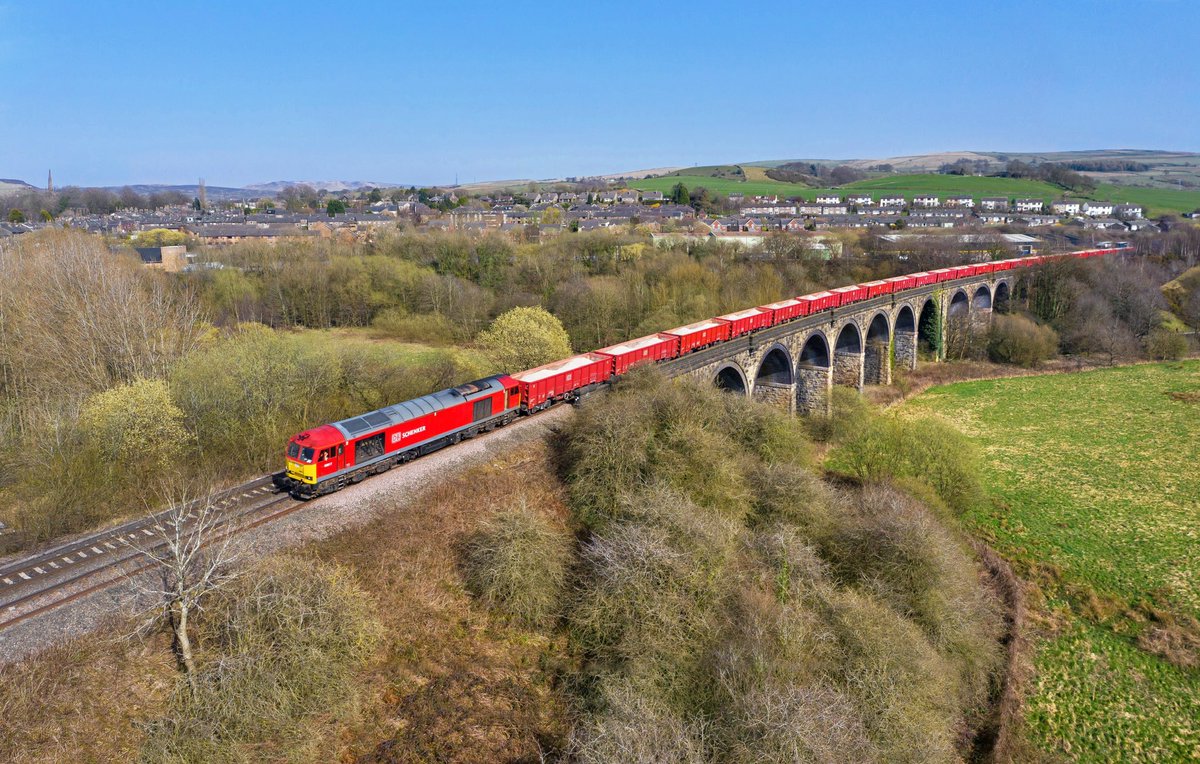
point(327, 458)
point(331, 456)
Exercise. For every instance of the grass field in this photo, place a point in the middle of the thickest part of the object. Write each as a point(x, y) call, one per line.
point(409, 352)
point(1094, 488)
point(1156, 200)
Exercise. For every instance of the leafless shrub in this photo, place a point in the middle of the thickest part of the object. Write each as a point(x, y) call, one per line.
point(895, 549)
point(800, 723)
point(282, 646)
point(848, 411)
point(927, 449)
point(190, 557)
point(517, 562)
point(791, 494)
point(647, 592)
point(903, 689)
point(632, 730)
point(1017, 339)
point(1165, 345)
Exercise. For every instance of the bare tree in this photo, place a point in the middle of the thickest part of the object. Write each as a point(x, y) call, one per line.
point(191, 557)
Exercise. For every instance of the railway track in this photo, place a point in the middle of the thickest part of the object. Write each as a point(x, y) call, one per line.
point(66, 572)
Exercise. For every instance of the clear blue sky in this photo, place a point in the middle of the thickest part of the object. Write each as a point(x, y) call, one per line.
point(139, 92)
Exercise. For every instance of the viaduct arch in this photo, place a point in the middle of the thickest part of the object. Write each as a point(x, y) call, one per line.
point(795, 365)
point(731, 379)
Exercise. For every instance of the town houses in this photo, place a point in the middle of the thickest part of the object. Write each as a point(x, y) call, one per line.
point(546, 213)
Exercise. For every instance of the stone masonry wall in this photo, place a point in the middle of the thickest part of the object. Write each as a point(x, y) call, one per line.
point(877, 369)
point(783, 396)
point(812, 389)
point(906, 350)
point(848, 369)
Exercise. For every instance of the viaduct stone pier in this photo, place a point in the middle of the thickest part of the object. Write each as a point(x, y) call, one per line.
point(795, 365)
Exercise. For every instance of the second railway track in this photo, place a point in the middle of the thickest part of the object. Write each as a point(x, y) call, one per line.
point(34, 585)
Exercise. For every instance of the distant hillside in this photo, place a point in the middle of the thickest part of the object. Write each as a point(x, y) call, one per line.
point(1156, 200)
point(217, 193)
point(276, 186)
point(12, 186)
point(1142, 168)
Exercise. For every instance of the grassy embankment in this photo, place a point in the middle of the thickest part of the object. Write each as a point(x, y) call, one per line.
point(1095, 496)
point(1156, 200)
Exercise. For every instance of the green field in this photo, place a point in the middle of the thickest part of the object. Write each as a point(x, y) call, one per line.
point(1094, 488)
point(402, 350)
point(1157, 201)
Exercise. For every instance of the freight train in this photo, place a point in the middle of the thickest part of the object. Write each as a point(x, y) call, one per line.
point(329, 457)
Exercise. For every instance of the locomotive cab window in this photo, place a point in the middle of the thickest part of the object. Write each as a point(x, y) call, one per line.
point(293, 450)
point(306, 455)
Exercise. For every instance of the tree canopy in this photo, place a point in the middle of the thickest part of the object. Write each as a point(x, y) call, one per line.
point(525, 337)
point(159, 237)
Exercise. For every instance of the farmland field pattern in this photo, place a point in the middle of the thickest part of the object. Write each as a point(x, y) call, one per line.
point(1094, 493)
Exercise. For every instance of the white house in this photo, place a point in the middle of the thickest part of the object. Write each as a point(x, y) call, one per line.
point(1030, 205)
point(829, 199)
point(993, 203)
point(1098, 209)
point(926, 200)
point(891, 200)
point(769, 209)
point(860, 200)
point(1130, 211)
point(960, 201)
point(994, 217)
point(1066, 207)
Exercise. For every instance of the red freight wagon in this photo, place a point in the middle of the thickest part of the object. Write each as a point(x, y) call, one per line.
point(554, 381)
point(924, 278)
point(900, 283)
point(817, 301)
point(962, 271)
point(942, 274)
point(877, 288)
point(650, 349)
point(745, 321)
point(848, 294)
point(784, 310)
point(984, 268)
point(700, 334)
point(1004, 265)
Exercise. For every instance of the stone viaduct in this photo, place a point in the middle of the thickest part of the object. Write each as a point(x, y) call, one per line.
point(795, 365)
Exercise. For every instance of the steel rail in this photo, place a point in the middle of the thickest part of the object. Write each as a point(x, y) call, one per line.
point(227, 529)
point(21, 571)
